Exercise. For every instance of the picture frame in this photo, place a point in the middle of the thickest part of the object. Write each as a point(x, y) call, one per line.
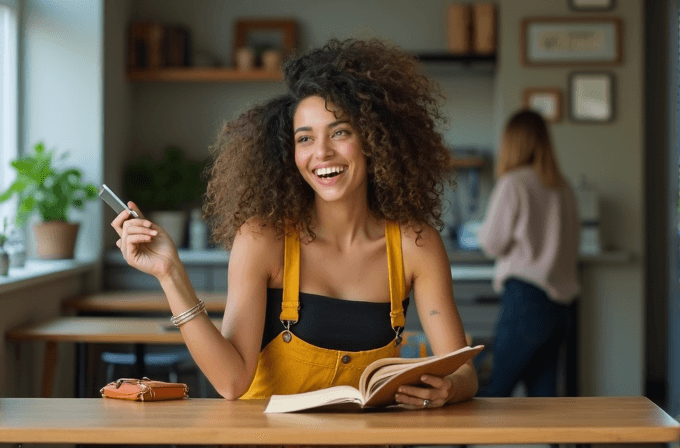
point(592, 97)
point(568, 41)
point(547, 101)
point(263, 34)
point(592, 5)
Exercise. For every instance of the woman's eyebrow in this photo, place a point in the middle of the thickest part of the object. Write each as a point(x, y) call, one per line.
point(330, 125)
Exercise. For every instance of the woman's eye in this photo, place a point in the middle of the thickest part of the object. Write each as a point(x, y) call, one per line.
point(341, 132)
point(303, 139)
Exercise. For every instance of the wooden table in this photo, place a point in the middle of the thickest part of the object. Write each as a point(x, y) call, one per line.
point(137, 302)
point(102, 330)
point(582, 420)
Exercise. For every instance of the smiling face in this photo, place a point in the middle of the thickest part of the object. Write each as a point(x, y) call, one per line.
point(328, 151)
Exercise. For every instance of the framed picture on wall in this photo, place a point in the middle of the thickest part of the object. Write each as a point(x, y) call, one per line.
point(591, 5)
point(568, 41)
point(262, 35)
point(547, 101)
point(591, 97)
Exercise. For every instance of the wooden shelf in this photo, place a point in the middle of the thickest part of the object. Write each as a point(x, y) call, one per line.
point(202, 74)
point(210, 74)
point(456, 58)
point(469, 162)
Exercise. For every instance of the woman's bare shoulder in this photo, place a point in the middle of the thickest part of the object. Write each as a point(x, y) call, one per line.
point(421, 244)
point(420, 236)
point(258, 240)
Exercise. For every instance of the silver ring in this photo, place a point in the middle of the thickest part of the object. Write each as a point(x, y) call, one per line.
point(426, 403)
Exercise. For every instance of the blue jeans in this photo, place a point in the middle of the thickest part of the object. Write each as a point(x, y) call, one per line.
point(529, 334)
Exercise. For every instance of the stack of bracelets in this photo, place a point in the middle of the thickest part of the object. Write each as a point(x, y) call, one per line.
point(188, 314)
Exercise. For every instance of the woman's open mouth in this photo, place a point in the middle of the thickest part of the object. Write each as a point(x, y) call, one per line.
point(328, 176)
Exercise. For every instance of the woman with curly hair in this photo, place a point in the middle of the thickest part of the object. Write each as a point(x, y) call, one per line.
point(329, 197)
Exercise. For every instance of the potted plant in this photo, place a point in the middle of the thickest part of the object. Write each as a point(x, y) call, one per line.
point(166, 189)
point(52, 192)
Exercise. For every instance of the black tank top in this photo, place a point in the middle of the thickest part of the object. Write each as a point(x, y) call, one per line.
point(331, 323)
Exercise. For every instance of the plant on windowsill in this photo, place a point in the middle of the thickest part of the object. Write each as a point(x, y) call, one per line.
point(52, 192)
point(166, 189)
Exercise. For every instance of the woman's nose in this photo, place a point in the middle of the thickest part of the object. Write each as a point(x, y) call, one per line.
point(324, 148)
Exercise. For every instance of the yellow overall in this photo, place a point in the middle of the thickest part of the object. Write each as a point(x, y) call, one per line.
point(289, 365)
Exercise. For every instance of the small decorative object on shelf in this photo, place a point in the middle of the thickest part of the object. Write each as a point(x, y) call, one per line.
point(152, 46)
point(16, 248)
point(471, 28)
point(198, 231)
point(245, 58)
point(484, 28)
point(458, 26)
point(4, 256)
point(271, 59)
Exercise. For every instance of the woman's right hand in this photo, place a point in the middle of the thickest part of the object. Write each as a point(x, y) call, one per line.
point(144, 245)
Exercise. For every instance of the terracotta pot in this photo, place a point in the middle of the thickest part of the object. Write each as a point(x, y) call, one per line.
point(55, 239)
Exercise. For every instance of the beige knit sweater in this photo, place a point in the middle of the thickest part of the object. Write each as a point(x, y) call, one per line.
point(533, 232)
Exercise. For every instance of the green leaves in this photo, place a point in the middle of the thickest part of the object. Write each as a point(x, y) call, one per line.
point(171, 183)
point(46, 189)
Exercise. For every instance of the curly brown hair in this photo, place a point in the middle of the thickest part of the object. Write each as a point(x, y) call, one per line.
point(393, 107)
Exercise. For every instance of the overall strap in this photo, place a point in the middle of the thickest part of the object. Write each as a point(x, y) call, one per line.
point(395, 265)
point(291, 277)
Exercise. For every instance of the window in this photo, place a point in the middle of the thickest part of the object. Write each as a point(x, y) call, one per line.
point(8, 100)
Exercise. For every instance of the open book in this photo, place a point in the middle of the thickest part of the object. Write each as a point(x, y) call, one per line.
point(378, 384)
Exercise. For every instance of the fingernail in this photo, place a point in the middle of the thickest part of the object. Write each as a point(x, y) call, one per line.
point(154, 232)
point(401, 390)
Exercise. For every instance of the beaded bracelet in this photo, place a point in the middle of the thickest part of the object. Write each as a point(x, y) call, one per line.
point(188, 314)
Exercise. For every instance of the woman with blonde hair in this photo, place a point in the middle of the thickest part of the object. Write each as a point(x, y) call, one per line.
point(532, 229)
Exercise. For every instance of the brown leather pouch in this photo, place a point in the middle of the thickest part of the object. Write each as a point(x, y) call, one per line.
point(144, 390)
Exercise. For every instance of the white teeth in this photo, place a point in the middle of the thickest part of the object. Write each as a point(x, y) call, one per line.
point(329, 170)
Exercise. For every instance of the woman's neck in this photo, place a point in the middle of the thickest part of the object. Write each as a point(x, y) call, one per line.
point(342, 224)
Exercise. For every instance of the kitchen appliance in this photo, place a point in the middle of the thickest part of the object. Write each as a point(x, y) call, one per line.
point(587, 201)
point(469, 235)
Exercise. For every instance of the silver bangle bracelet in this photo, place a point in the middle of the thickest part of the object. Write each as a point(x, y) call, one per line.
point(188, 314)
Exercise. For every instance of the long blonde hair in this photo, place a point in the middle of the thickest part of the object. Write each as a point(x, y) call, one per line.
point(526, 141)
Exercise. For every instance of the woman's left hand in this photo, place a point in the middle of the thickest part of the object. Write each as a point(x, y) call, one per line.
point(438, 394)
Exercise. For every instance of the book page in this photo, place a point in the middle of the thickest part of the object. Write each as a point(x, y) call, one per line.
point(308, 400)
point(391, 364)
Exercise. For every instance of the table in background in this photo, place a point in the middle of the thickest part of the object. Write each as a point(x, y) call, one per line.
point(580, 420)
point(137, 302)
point(87, 330)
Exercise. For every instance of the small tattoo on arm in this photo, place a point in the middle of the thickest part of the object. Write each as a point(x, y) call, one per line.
point(433, 312)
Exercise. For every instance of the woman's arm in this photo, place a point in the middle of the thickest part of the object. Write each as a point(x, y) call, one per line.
point(228, 359)
point(428, 265)
point(495, 234)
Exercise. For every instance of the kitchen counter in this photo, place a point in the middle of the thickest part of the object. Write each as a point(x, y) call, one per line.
point(220, 257)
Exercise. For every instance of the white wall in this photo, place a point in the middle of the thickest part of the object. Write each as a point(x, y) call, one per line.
point(62, 95)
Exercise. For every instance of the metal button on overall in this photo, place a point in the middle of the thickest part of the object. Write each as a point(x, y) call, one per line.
point(346, 359)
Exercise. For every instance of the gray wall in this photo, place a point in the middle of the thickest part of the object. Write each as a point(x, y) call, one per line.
point(610, 155)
